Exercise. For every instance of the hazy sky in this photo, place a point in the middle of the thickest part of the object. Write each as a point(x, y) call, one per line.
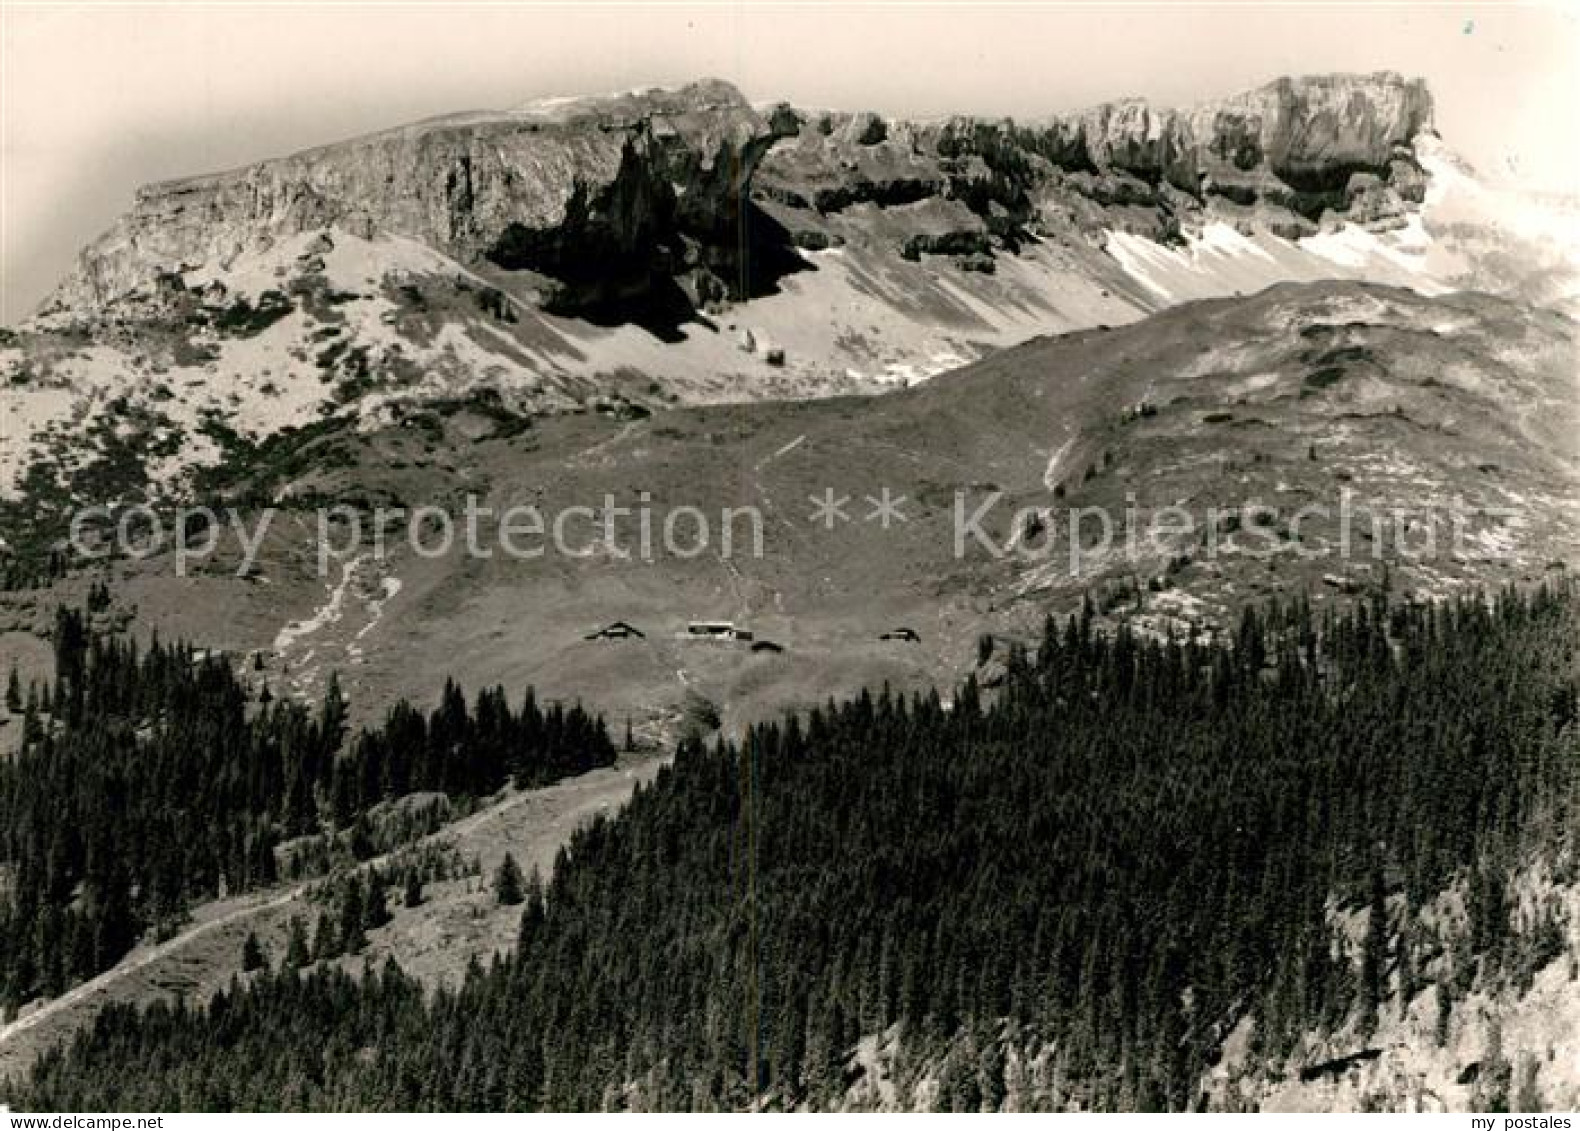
point(96, 100)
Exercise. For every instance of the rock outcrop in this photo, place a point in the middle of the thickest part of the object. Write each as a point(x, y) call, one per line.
point(607, 207)
point(604, 197)
point(1286, 157)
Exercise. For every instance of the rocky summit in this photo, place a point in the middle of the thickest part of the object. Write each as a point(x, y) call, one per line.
point(613, 198)
point(1284, 157)
point(600, 194)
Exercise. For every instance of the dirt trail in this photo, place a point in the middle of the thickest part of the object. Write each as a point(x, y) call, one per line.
point(582, 457)
point(552, 814)
point(138, 960)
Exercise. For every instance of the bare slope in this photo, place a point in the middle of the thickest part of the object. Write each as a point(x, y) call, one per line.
point(1335, 396)
point(458, 920)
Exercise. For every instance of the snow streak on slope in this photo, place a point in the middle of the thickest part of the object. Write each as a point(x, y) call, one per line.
point(1466, 235)
point(1221, 260)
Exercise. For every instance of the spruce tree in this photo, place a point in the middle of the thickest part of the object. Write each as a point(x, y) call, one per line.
point(508, 884)
point(297, 954)
point(352, 938)
point(376, 912)
point(326, 940)
point(252, 956)
point(1374, 951)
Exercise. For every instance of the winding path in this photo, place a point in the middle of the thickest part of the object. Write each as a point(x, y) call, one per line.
point(565, 805)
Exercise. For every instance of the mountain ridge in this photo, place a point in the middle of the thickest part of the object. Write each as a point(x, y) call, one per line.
point(1335, 124)
point(633, 251)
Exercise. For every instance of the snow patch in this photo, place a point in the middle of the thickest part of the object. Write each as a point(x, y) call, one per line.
point(328, 613)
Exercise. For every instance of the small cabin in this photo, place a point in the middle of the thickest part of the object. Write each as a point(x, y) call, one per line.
point(908, 635)
point(619, 630)
point(717, 630)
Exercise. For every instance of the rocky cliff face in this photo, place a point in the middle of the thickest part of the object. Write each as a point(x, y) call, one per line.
point(601, 196)
point(1321, 127)
point(603, 205)
point(1284, 158)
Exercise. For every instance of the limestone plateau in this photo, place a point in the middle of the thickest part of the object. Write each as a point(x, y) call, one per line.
point(694, 195)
